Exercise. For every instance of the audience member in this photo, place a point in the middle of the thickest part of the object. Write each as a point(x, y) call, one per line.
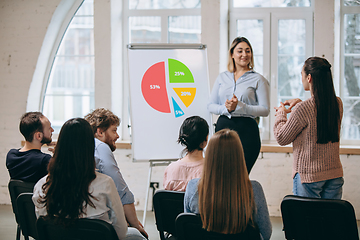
point(227, 201)
point(193, 135)
point(73, 189)
point(104, 125)
point(314, 130)
point(28, 163)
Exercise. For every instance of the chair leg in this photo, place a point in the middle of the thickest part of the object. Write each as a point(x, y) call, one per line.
point(162, 236)
point(18, 232)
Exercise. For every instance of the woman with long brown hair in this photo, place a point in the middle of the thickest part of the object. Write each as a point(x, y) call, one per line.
point(314, 130)
point(227, 201)
point(72, 189)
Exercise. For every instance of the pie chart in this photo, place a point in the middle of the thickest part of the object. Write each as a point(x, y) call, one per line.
point(154, 87)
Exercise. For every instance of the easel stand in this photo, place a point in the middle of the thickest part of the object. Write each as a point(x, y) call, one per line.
point(153, 163)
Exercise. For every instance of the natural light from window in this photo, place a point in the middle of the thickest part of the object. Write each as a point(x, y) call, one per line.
point(70, 88)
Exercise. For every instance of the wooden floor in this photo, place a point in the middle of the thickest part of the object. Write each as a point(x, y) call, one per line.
point(8, 225)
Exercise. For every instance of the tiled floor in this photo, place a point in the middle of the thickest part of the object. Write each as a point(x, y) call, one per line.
point(8, 225)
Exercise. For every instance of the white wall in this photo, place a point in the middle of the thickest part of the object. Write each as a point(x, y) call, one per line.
point(23, 25)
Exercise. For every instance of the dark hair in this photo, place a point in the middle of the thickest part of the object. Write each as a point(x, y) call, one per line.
point(30, 123)
point(231, 64)
point(193, 132)
point(102, 118)
point(327, 105)
point(71, 171)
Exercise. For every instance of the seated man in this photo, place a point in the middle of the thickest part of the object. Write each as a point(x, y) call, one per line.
point(104, 124)
point(28, 163)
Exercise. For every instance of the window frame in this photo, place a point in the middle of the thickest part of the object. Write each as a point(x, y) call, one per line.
point(339, 72)
point(54, 35)
point(164, 14)
point(58, 25)
point(270, 16)
point(73, 93)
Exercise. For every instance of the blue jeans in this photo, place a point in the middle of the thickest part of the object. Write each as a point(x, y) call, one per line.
point(330, 189)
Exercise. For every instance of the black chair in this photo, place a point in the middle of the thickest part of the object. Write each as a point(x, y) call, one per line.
point(189, 227)
point(16, 187)
point(167, 206)
point(26, 215)
point(315, 218)
point(82, 229)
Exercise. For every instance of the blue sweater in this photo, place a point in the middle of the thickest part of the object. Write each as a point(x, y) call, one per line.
point(262, 218)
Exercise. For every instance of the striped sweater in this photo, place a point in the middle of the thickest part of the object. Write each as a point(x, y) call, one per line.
point(314, 162)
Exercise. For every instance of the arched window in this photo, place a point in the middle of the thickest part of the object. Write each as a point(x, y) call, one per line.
point(70, 88)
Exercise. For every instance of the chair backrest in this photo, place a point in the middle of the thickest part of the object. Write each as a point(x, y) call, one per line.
point(82, 229)
point(167, 206)
point(26, 215)
point(189, 227)
point(16, 187)
point(314, 218)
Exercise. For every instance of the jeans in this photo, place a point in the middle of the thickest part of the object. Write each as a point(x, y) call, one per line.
point(330, 189)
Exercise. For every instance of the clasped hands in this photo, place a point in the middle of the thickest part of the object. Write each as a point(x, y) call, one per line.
point(231, 104)
point(291, 103)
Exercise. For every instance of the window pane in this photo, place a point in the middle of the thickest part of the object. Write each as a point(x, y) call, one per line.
point(352, 77)
point(82, 22)
point(272, 3)
point(70, 88)
point(291, 57)
point(350, 88)
point(185, 29)
point(350, 129)
point(78, 39)
point(163, 4)
point(351, 3)
point(352, 33)
point(145, 29)
point(351, 98)
point(87, 8)
point(253, 30)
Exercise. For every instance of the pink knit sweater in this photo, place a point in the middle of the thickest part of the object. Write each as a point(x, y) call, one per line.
point(314, 162)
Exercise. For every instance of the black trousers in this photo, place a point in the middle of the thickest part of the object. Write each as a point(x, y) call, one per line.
point(248, 131)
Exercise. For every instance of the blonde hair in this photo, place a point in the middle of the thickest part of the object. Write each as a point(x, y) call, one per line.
point(226, 199)
point(231, 64)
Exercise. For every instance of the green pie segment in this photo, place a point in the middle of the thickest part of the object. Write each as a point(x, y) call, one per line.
point(179, 72)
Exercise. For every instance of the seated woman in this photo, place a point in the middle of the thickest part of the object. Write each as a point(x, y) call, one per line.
point(227, 201)
point(72, 189)
point(193, 135)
